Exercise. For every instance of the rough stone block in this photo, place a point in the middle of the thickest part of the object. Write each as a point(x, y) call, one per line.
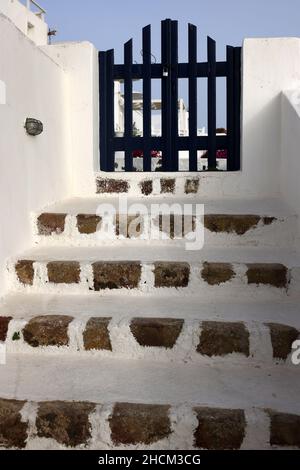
point(116, 275)
point(238, 224)
point(171, 274)
point(49, 224)
point(219, 429)
point(268, 220)
point(107, 185)
point(88, 223)
point(139, 424)
point(191, 186)
point(66, 423)
point(64, 272)
point(167, 185)
point(222, 338)
point(217, 273)
point(48, 330)
point(157, 332)
point(146, 187)
point(96, 334)
point(272, 274)
point(4, 322)
point(282, 338)
point(285, 429)
point(13, 432)
point(25, 272)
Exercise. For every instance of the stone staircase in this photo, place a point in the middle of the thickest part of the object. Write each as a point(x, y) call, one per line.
point(120, 342)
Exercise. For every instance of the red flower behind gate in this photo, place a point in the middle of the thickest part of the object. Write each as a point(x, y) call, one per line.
point(140, 154)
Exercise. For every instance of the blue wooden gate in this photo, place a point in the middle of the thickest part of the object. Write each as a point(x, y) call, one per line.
point(170, 143)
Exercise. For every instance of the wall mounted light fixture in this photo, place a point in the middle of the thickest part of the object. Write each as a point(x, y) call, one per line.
point(33, 126)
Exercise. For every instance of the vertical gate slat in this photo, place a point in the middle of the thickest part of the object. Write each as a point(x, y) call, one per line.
point(192, 40)
point(174, 96)
point(147, 98)
point(212, 115)
point(166, 110)
point(103, 110)
point(110, 114)
point(237, 107)
point(128, 105)
point(230, 107)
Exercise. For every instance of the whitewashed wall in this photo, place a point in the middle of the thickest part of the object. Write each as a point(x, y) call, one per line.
point(269, 67)
point(30, 24)
point(290, 150)
point(34, 171)
point(80, 62)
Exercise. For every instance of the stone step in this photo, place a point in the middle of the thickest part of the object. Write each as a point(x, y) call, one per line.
point(208, 185)
point(164, 339)
point(205, 272)
point(161, 184)
point(26, 305)
point(226, 223)
point(79, 403)
point(61, 425)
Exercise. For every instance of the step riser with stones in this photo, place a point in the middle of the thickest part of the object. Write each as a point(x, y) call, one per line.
point(216, 185)
point(183, 278)
point(219, 229)
point(154, 339)
point(85, 425)
point(212, 375)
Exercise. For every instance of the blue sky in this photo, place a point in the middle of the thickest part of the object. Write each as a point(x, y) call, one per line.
point(108, 24)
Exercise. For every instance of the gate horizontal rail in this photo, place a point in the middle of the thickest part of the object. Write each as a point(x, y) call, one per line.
point(157, 70)
point(170, 143)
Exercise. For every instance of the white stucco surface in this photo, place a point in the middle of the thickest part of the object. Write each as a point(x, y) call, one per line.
point(24, 306)
point(281, 232)
point(80, 62)
point(147, 255)
point(269, 67)
point(125, 380)
point(180, 386)
point(125, 346)
point(33, 170)
point(290, 151)
point(33, 26)
point(2, 92)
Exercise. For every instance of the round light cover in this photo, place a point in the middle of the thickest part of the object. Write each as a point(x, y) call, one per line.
point(33, 126)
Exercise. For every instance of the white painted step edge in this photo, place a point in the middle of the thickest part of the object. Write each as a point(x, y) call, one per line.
point(236, 287)
point(125, 346)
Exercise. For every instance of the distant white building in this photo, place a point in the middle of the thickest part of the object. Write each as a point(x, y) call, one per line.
point(183, 114)
point(29, 17)
point(156, 105)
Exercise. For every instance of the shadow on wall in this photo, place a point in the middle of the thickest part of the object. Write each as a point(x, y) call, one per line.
point(261, 147)
point(290, 153)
